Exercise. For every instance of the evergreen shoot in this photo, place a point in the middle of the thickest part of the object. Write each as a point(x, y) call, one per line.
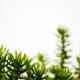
point(63, 43)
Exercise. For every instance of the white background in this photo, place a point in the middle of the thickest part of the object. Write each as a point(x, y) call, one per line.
point(30, 25)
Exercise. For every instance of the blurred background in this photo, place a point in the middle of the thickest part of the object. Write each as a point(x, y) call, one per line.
point(30, 25)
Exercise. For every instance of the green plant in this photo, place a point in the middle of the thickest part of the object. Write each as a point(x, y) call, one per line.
point(60, 73)
point(63, 36)
point(16, 66)
point(3, 56)
point(37, 72)
point(78, 68)
point(41, 58)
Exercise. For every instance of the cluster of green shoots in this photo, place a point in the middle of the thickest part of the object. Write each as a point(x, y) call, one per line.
point(18, 66)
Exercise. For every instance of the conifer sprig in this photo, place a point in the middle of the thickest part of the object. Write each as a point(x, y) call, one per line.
point(63, 36)
point(77, 72)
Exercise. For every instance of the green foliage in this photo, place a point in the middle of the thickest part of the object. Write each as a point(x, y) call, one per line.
point(60, 73)
point(78, 68)
point(63, 35)
point(3, 55)
point(41, 58)
point(37, 72)
point(18, 66)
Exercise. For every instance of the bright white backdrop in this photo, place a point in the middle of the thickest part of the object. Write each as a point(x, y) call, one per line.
point(30, 25)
